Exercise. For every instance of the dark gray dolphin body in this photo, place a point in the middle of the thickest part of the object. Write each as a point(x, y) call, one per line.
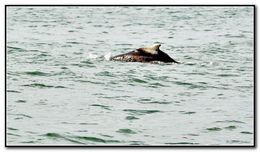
point(149, 54)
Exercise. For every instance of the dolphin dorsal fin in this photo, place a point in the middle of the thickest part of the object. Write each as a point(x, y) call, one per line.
point(152, 49)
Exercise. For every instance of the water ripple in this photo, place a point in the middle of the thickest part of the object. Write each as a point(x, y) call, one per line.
point(141, 112)
point(41, 85)
point(79, 139)
point(36, 73)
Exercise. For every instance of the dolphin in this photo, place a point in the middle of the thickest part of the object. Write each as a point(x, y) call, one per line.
point(147, 54)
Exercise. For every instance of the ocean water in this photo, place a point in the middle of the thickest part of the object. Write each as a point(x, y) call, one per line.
point(63, 90)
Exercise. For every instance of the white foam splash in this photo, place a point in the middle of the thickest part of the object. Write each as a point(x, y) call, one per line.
point(108, 56)
point(92, 56)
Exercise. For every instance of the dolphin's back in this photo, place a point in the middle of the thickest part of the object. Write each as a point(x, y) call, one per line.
point(145, 55)
point(133, 56)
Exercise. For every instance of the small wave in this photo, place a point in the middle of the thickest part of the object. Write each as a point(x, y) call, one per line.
point(21, 116)
point(14, 91)
point(233, 36)
point(195, 73)
point(126, 131)
point(230, 127)
point(73, 42)
point(214, 129)
point(12, 134)
point(105, 73)
point(83, 123)
point(230, 121)
point(102, 106)
point(182, 143)
point(159, 102)
point(56, 135)
point(9, 128)
point(131, 118)
point(187, 112)
point(137, 143)
point(95, 139)
point(137, 80)
point(141, 112)
point(191, 64)
point(237, 142)
point(156, 78)
point(36, 73)
point(192, 134)
point(28, 142)
point(40, 85)
point(228, 75)
point(86, 62)
point(148, 101)
point(156, 85)
point(104, 135)
point(246, 132)
point(12, 49)
point(60, 87)
point(190, 85)
point(145, 99)
point(82, 65)
point(87, 81)
point(20, 101)
point(183, 83)
point(80, 139)
point(24, 115)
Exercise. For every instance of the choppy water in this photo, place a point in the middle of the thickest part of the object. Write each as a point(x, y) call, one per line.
point(60, 91)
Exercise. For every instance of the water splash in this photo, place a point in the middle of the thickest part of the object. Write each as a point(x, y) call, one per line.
point(108, 56)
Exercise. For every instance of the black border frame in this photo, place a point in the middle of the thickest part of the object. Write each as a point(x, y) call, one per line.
point(145, 146)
